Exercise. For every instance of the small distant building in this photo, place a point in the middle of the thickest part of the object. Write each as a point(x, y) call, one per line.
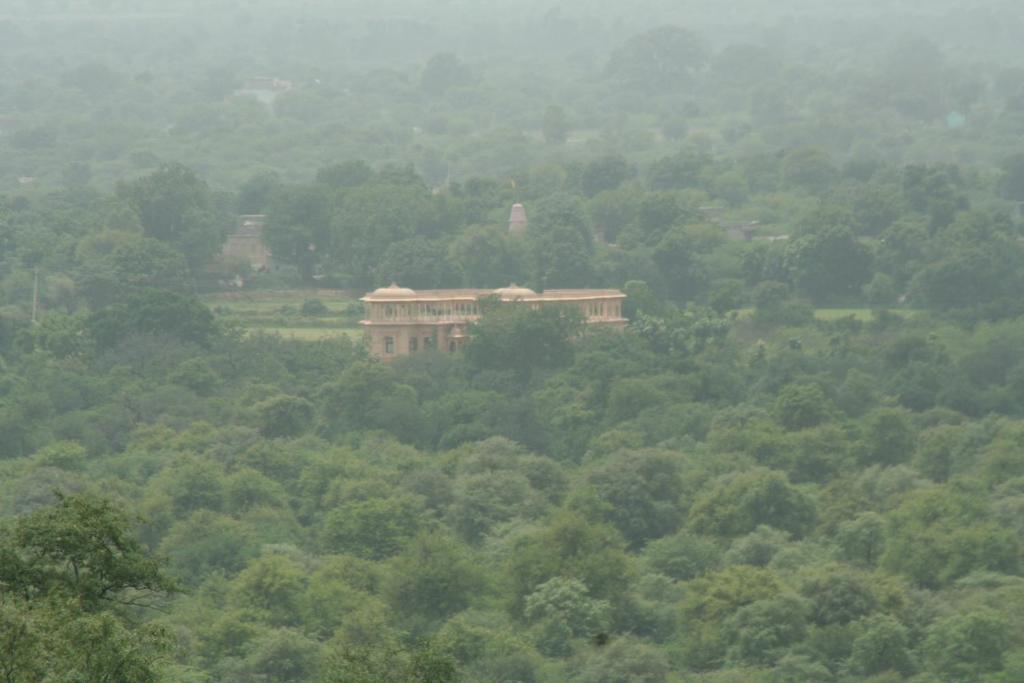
point(740, 232)
point(517, 222)
point(265, 89)
point(401, 321)
point(246, 244)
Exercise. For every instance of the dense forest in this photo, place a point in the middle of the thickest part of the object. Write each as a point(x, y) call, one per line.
point(801, 462)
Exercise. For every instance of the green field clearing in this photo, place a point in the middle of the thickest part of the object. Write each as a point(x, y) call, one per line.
point(862, 314)
point(310, 333)
point(268, 303)
point(263, 308)
point(830, 314)
point(279, 313)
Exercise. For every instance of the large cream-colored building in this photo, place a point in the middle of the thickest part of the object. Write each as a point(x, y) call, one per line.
point(401, 321)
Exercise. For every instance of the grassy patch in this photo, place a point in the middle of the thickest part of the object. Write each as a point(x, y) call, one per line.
point(830, 314)
point(310, 333)
point(279, 312)
point(862, 314)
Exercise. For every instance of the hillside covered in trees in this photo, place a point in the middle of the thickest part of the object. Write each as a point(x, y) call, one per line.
point(801, 462)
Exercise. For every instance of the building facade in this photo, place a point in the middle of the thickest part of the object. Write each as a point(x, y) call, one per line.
point(517, 222)
point(245, 244)
point(401, 321)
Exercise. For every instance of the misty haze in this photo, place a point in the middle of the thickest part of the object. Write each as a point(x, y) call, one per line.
point(485, 341)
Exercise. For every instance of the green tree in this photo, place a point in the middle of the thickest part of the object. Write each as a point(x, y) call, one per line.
point(800, 406)
point(523, 340)
point(861, 540)
point(829, 266)
point(964, 647)
point(663, 59)
point(889, 439)
point(678, 171)
point(837, 596)
point(71, 576)
point(936, 455)
point(247, 489)
point(299, 228)
point(971, 274)
point(737, 503)
point(177, 207)
point(284, 416)
point(118, 266)
point(792, 668)
point(273, 585)
point(680, 262)
point(427, 662)
point(567, 602)
point(757, 548)
point(255, 194)
point(1013, 178)
point(555, 126)
point(683, 555)
point(374, 216)
point(433, 578)
point(188, 483)
point(484, 500)
point(773, 305)
point(205, 542)
point(571, 548)
point(443, 72)
point(603, 174)
point(375, 528)
point(765, 629)
point(710, 604)
point(939, 534)
point(935, 191)
point(417, 263)
point(282, 655)
point(624, 659)
point(81, 548)
point(638, 493)
point(560, 243)
point(882, 645)
point(368, 396)
point(346, 174)
point(810, 168)
point(153, 312)
point(881, 291)
point(487, 257)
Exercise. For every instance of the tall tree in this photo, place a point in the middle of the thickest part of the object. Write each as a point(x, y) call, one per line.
point(299, 227)
point(661, 59)
point(523, 340)
point(555, 126)
point(70, 577)
point(830, 265)
point(175, 206)
point(443, 71)
point(561, 243)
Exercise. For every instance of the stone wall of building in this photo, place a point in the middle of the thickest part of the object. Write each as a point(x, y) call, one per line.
point(400, 321)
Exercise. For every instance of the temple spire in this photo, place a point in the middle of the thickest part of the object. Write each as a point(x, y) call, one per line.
point(517, 222)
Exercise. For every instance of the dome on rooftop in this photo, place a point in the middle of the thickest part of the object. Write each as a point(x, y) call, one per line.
point(514, 291)
point(393, 291)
